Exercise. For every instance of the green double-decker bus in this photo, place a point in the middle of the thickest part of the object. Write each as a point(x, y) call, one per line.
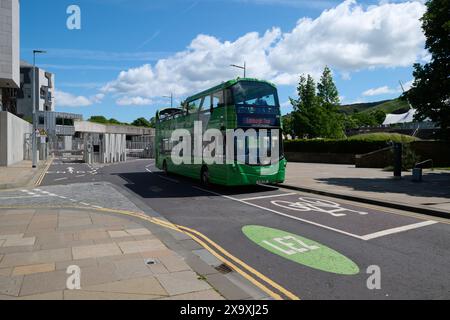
point(241, 104)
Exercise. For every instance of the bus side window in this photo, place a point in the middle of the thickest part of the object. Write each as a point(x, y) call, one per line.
point(218, 100)
point(206, 104)
point(194, 106)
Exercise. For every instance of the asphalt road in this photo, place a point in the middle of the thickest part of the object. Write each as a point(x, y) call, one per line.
point(322, 248)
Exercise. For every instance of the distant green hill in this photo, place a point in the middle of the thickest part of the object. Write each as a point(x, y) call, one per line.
point(388, 106)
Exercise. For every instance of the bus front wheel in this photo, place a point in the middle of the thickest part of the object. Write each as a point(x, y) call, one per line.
point(204, 176)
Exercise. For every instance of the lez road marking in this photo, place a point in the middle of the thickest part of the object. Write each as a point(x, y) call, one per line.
point(365, 238)
point(313, 204)
point(301, 250)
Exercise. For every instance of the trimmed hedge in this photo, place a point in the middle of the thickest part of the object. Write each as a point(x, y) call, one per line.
point(359, 144)
point(384, 136)
point(334, 146)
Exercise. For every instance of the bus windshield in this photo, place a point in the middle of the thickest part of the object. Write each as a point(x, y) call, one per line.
point(255, 98)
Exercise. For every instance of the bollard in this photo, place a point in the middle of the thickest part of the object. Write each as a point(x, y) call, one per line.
point(417, 175)
point(398, 150)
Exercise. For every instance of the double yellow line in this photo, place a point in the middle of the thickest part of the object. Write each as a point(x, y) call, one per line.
point(41, 177)
point(267, 285)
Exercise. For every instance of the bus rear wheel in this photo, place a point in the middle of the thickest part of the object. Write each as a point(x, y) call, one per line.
point(204, 177)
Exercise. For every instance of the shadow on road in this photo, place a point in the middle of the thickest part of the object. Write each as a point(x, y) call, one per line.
point(157, 185)
point(433, 185)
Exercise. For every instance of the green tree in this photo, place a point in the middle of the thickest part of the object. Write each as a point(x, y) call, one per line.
point(142, 122)
point(328, 95)
point(316, 111)
point(98, 119)
point(114, 121)
point(288, 124)
point(327, 90)
point(379, 116)
point(430, 92)
point(306, 116)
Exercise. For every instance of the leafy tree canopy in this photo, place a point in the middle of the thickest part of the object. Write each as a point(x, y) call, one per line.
point(430, 92)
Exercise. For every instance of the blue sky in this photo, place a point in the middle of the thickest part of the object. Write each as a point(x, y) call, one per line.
point(129, 54)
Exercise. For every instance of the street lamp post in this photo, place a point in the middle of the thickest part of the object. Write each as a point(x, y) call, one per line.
point(33, 135)
point(171, 99)
point(241, 67)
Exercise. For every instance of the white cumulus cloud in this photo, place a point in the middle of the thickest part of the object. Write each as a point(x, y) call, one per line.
point(133, 101)
point(348, 38)
point(379, 91)
point(65, 99)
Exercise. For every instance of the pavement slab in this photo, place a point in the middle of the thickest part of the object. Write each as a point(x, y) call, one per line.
point(182, 282)
point(140, 246)
point(199, 295)
point(43, 283)
point(36, 257)
point(111, 252)
point(37, 268)
point(96, 251)
point(142, 286)
point(10, 285)
point(99, 295)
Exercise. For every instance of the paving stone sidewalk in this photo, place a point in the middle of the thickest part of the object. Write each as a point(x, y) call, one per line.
point(20, 174)
point(38, 245)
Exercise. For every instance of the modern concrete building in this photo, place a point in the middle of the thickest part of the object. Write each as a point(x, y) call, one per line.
point(44, 91)
point(9, 53)
point(107, 143)
point(60, 128)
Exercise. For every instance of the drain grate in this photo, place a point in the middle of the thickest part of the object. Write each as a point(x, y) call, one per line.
point(151, 262)
point(224, 269)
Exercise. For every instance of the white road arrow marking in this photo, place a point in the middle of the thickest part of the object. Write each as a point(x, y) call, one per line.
point(70, 169)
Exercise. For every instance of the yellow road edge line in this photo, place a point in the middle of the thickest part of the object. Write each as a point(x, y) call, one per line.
point(249, 268)
point(203, 244)
point(41, 178)
point(188, 232)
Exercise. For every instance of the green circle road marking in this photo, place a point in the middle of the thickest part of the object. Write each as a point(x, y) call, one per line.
point(301, 250)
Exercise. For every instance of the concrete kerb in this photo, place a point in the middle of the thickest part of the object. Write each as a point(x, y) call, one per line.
point(394, 205)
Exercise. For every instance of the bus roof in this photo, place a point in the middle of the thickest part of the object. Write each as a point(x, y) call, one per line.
point(224, 85)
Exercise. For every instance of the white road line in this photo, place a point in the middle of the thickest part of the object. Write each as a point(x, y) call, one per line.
point(168, 179)
point(97, 207)
point(283, 214)
point(365, 238)
point(398, 230)
point(268, 197)
point(163, 177)
point(20, 197)
point(60, 179)
point(85, 204)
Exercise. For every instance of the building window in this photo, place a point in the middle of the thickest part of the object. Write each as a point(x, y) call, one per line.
point(41, 121)
point(68, 122)
point(59, 121)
